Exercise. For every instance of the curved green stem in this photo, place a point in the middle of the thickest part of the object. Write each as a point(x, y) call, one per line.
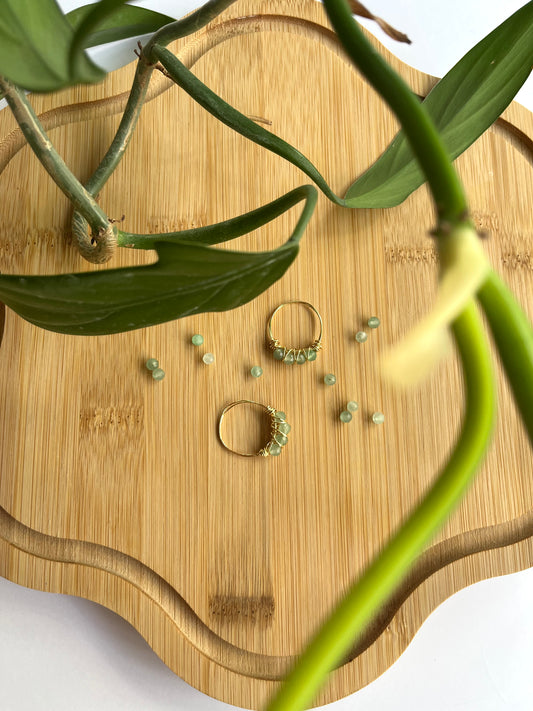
point(337, 636)
point(51, 160)
point(420, 131)
point(513, 334)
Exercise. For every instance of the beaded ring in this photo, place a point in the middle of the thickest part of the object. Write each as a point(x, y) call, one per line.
point(294, 355)
point(279, 429)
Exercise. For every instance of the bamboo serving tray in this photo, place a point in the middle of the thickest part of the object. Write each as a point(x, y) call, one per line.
point(116, 488)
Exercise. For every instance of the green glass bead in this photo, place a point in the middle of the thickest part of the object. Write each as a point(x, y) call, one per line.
point(289, 358)
point(281, 439)
point(279, 353)
point(378, 418)
point(345, 416)
point(208, 358)
point(352, 406)
point(300, 358)
point(158, 374)
point(256, 371)
point(280, 415)
point(330, 379)
point(373, 322)
point(310, 354)
point(361, 336)
point(152, 364)
point(197, 339)
point(284, 428)
point(274, 449)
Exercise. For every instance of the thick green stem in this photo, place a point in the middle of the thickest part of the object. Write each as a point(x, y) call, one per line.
point(348, 621)
point(52, 161)
point(513, 334)
point(420, 131)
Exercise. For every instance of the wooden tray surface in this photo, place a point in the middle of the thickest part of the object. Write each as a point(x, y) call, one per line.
point(116, 488)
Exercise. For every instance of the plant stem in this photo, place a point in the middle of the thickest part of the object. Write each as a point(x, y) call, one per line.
point(349, 619)
point(51, 160)
point(514, 338)
point(420, 131)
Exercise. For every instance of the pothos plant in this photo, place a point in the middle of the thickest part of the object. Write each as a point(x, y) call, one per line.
point(43, 50)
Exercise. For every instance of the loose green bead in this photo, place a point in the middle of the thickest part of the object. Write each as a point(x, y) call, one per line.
point(352, 406)
point(279, 353)
point(158, 374)
point(345, 416)
point(256, 371)
point(280, 415)
point(197, 339)
point(361, 336)
point(281, 439)
point(330, 379)
point(310, 354)
point(300, 358)
point(289, 359)
point(208, 358)
point(152, 364)
point(378, 418)
point(274, 449)
point(373, 322)
point(284, 428)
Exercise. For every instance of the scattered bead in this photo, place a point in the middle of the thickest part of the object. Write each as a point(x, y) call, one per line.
point(373, 322)
point(361, 336)
point(197, 339)
point(208, 358)
point(256, 371)
point(378, 418)
point(345, 416)
point(152, 364)
point(330, 379)
point(158, 374)
point(352, 406)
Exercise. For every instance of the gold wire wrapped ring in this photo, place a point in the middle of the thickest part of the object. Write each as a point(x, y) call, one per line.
point(294, 355)
point(279, 429)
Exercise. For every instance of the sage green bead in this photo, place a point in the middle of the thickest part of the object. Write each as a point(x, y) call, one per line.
point(197, 339)
point(378, 418)
point(280, 415)
point(279, 353)
point(256, 371)
point(373, 322)
point(345, 416)
point(310, 354)
point(330, 379)
point(158, 374)
point(281, 439)
point(289, 359)
point(208, 358)
point(284, 428)
point(352, 406)
point(152, 364)
point(274, 449)
point(300, 358)
point(361, 336)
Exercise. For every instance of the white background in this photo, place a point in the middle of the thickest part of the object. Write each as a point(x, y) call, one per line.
point(474, 653)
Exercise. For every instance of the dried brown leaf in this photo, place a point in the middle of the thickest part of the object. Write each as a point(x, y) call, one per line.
point(358, 8)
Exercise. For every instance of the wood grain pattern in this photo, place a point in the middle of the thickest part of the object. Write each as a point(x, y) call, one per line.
point(117, 489)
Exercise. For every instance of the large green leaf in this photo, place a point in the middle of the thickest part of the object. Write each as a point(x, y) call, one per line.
point(189, 277)
point(462, 105)
point(126, 21)
point(35, 42)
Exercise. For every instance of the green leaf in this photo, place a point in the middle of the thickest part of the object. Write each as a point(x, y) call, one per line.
point(189, 277)
point(462, 105)
point(124, 22)
point(35, 41)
